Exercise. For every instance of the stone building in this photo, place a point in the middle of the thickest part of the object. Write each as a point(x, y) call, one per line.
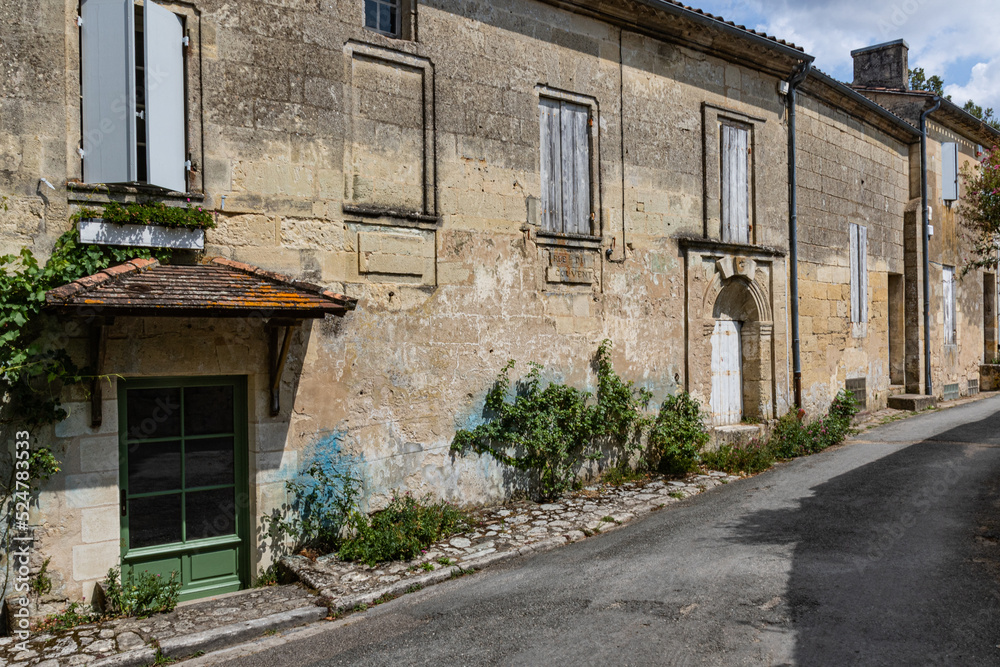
point(405, 199)
point(962, 316)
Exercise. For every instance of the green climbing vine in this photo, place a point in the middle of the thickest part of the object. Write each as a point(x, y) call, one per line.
point(552, 430)
point(35, 366)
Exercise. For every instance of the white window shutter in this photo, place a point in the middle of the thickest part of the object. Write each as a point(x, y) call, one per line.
point(107, 54)
point(863, 272)
point(949, 171)
point(165, 136)
point(949, 305)
point(855, 263)
point(576, 168)
point(735, 185)
point(551, 171)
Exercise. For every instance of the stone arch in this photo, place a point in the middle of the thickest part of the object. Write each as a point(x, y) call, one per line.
point(746, 301)
point(739, 292)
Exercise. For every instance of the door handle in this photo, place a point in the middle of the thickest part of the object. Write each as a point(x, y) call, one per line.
point(123, 505)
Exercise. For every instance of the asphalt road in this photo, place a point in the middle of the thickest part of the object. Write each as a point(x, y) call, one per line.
point(883, 551)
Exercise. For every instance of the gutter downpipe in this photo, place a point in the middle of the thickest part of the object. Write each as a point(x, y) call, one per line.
point(797, 77)
point(928, 382)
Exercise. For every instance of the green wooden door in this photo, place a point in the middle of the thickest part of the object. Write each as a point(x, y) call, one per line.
point(183, 481)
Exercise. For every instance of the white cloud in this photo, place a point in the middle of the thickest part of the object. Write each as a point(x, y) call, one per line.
point(983, 87)
point(944, 35)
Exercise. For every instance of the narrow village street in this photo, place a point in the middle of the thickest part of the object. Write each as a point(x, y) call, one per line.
point(883, 551)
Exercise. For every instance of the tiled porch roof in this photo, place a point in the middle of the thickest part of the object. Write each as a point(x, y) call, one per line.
point(217, 288)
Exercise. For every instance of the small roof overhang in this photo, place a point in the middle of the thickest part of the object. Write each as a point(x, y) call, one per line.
point(217, 288)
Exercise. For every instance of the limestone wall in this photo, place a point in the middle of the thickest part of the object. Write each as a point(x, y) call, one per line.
point(848, 173)
point(406, 174)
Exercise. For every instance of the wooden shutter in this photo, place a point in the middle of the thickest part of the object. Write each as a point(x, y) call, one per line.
point(575, 168)
point(165, 136)
point(949, 171)
point(551, 172)
point(107, 63)
point(855, 287)
point(863, 273)
point(735, 185)
point(949, 305)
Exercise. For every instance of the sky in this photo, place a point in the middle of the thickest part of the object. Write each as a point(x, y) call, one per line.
point(954, 39)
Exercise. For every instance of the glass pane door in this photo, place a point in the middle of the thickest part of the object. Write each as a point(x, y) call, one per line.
point(183, 446)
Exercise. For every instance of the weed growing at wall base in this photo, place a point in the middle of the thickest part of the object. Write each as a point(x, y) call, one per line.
point(791, 438)
point(140, 594)
point(401, 530)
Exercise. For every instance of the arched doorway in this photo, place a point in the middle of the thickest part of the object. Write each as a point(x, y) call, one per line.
point(741, 353)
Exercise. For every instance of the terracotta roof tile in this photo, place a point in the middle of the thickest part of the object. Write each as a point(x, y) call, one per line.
point(218, 288)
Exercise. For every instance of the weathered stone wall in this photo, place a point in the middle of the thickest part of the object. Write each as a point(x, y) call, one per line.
point(951, 246)
point(406, 174)
point(848, 173)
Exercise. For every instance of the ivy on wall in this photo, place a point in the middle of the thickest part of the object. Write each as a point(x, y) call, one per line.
point(35, 366)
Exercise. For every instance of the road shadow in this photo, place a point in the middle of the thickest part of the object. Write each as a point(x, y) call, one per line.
point(895, 562)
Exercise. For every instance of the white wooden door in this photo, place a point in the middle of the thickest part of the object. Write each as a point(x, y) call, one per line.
point(727, 375)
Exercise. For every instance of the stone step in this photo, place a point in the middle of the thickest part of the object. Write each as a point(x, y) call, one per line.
point(911, 402)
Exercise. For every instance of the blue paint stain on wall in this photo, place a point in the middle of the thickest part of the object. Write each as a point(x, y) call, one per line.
point(325, 474)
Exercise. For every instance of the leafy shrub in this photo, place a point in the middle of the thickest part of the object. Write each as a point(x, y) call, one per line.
point(789, 439)
point(324, 499)
point(152, 213)
point(742, 458)
point(140, 594)
point(677, 435)
point(401, 530)
point(552, 431)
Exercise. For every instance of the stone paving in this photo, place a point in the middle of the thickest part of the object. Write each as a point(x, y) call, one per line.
point(506, 531)
point(501, 532)
point(86, 644)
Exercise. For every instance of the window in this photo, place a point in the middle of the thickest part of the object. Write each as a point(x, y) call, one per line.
point(132, 82)
point(859, 273)
point(383, 16)
point(950, 321)
point(735, 184)
point(949, 171)
point(565, 168)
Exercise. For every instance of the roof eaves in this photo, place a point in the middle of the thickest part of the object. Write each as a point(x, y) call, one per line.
point(104, 277)
point(345, 301)
point(947, 106)
point(703, 17)
point(871, 105)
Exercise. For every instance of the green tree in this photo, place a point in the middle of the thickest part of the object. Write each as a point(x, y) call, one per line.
point(933, 84)
point(985, 115)
point(980, 208)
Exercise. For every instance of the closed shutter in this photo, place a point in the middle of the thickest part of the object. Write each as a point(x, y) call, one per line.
point(565, 168)
point(551, 166)
point(107, 53)
point(575, 168)
point(863, 273)
point(165, 140)
point(855, 287)
point(735, 185)
point(949, 305)
point(949, 171)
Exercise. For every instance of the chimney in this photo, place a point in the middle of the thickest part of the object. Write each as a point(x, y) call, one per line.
point(882, 66)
